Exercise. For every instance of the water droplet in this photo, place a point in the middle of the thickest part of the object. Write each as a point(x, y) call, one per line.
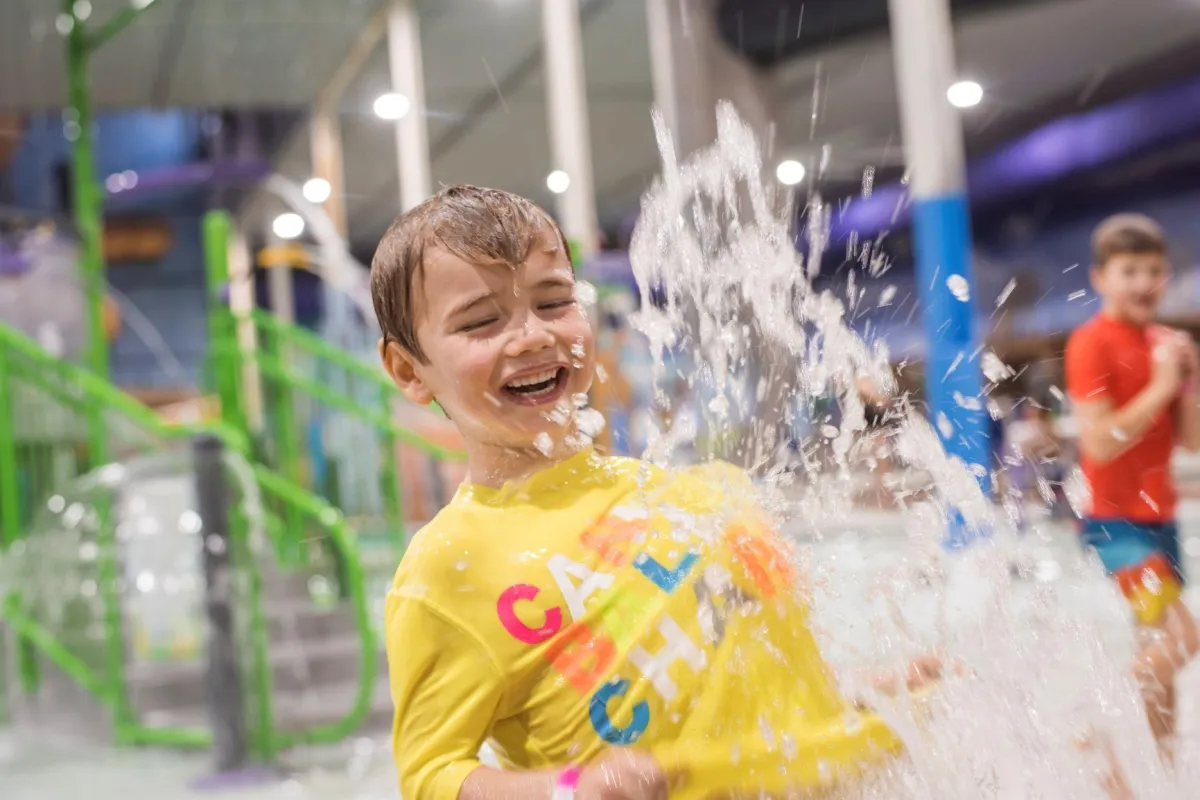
point(544, 443)
point(993, 368)
point(1005, 292)
point(959, 287)
point(590, 422)
point(887, 295)
point(945, 426)
point(585, 293)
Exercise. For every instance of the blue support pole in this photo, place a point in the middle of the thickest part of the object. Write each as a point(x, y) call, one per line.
point(923, 51)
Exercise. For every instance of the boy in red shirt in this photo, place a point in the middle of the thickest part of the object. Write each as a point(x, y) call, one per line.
point(1134, 387)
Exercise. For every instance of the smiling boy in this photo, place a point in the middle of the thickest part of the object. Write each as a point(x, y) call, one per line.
point(613, 631)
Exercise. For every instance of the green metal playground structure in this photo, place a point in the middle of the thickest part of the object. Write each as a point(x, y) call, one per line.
point(59, 422)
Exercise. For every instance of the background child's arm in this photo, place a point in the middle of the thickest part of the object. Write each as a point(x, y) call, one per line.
point(1187, 419)
point(1105, 431)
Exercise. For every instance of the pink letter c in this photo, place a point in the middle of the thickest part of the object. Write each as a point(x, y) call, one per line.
point(519, 630)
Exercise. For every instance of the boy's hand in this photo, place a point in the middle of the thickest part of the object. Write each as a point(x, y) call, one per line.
point(1190, 358)
point(623, 774)
point(1167, 362)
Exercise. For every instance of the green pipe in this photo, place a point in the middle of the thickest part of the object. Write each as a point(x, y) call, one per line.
point(89, 219)
point(10, 490)
point(260, 677)
point(342, 540)
point(319, 347)
point(67, 661)
point(88, 200)
point(272, 365)
point(224, 354)
point(287, 451)
point(390, 475)
point(182, 738)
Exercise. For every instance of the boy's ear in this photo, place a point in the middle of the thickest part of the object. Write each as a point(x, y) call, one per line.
point(402, 368)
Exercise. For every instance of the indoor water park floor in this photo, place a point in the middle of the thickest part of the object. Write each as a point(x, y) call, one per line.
point(36, 766)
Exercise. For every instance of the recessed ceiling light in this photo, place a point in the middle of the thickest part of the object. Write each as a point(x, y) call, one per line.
point(558, 181)
point(316, 190)
point(288, 225)
point(790, 172)
point(391, 106)
point(965, 94)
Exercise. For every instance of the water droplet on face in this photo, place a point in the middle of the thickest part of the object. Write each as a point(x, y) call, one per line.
point(578, 350)
point(561, 414)
point(590, 422)
point(585, 293)
point(491, 398)
point(544, 443)
point(579, 400)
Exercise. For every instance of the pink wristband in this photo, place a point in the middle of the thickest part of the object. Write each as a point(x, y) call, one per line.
point(565, 784)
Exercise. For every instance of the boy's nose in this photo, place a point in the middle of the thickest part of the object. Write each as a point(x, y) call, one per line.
point(531, 335)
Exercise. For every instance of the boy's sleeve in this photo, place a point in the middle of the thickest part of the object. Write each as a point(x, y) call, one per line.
point(1087, 368)
point(446, 688)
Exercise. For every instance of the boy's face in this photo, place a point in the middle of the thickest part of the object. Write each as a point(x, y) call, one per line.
point(504, 346)
point(1132, 285)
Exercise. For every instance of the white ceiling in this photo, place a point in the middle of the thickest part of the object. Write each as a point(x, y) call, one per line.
point(214, 53)
point(1024, 57)
point(483, 69)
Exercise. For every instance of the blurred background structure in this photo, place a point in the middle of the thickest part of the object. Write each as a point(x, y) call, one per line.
point(190, 191)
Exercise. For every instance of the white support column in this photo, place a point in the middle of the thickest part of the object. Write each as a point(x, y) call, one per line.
point(692, 70)
point(242, 303)
point(408, 79)
point(570, 134)
point(280, 294)
point(328, 163)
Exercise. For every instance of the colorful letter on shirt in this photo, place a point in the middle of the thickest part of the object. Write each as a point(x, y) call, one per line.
point(666, 579)
point(581, 656)
point(656, 668)
point(563, 569)
point(598, 710)
point(611, 538)
point(506, 608)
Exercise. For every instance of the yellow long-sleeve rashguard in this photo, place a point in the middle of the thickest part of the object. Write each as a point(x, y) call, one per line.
point(604, 603)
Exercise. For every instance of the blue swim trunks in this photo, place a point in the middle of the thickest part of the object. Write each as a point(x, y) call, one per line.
point(1144, 560)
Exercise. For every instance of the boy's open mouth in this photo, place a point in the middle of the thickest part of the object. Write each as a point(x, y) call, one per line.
point(539, 388)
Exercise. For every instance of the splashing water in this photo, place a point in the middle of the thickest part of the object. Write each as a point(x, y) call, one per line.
point(1043, 657)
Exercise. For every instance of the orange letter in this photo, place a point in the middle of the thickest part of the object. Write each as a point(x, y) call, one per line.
point(581, 656)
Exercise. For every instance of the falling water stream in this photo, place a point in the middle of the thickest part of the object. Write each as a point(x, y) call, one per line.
point(1041, 659)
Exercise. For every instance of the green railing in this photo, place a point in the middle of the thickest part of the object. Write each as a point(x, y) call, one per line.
point(320, 416)
point(47, 410)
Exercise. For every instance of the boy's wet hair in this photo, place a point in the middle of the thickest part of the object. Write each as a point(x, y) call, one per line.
point(1127, 234)
point(480, 226)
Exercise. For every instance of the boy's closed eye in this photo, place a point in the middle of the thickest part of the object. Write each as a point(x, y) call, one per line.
point(477, 324)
